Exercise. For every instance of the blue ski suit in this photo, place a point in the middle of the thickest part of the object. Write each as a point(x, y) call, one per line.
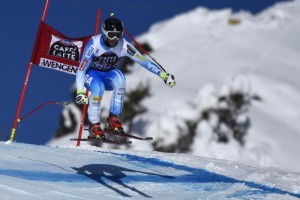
point(98, 71)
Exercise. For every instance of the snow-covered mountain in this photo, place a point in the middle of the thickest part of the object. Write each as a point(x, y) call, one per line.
point(211, 52)
point(41, 172)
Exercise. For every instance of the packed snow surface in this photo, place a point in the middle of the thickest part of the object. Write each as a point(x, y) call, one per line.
point(44, 172)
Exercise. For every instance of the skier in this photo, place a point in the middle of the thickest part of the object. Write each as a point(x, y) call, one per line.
point(98, 72)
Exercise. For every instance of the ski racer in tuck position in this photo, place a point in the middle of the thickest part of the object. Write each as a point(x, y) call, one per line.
point(98, 72)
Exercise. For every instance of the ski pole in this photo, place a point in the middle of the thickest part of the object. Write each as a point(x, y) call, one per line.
point(42, 105)
point(139, 46)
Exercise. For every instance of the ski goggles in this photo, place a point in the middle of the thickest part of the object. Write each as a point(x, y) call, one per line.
point(114, 34)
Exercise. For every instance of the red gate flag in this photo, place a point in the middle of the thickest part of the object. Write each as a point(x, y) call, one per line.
point(53, 50)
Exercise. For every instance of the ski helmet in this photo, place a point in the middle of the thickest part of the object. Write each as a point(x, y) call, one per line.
point(112, 29)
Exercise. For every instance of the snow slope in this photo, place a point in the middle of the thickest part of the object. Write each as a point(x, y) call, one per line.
point(207, 54)
point(43, 172)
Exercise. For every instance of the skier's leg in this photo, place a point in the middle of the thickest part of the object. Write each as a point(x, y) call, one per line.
point(115, 80)
point(95, 85)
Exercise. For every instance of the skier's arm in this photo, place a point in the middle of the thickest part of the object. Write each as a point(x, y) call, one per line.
point(85, 62)
point(86, 59)
point(136, 56)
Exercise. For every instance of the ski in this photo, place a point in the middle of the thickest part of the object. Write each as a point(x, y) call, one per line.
point(102, 141)
point(123, 134)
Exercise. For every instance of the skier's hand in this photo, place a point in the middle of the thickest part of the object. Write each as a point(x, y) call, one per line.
point(81, 97)
point(169, 79)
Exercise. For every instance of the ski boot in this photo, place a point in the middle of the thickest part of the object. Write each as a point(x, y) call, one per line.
point(114, 124)
point(96, 132)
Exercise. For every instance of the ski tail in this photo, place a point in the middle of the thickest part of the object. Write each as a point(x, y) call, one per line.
point(123, 134)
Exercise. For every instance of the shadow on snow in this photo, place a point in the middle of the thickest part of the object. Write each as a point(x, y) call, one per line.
point(116, 174)
point(151, 172)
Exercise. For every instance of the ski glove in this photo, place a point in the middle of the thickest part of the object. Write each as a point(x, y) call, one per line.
point(169, 79)
point(81, 97)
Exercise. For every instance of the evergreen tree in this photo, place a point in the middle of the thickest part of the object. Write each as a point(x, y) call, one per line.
point(132, 104)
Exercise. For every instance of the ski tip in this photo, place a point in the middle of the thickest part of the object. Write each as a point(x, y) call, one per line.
point(149, 138)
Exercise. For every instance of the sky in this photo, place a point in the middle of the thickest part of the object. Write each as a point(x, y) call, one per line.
point(43, 172)
point(258, 56)
point(20, 21)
